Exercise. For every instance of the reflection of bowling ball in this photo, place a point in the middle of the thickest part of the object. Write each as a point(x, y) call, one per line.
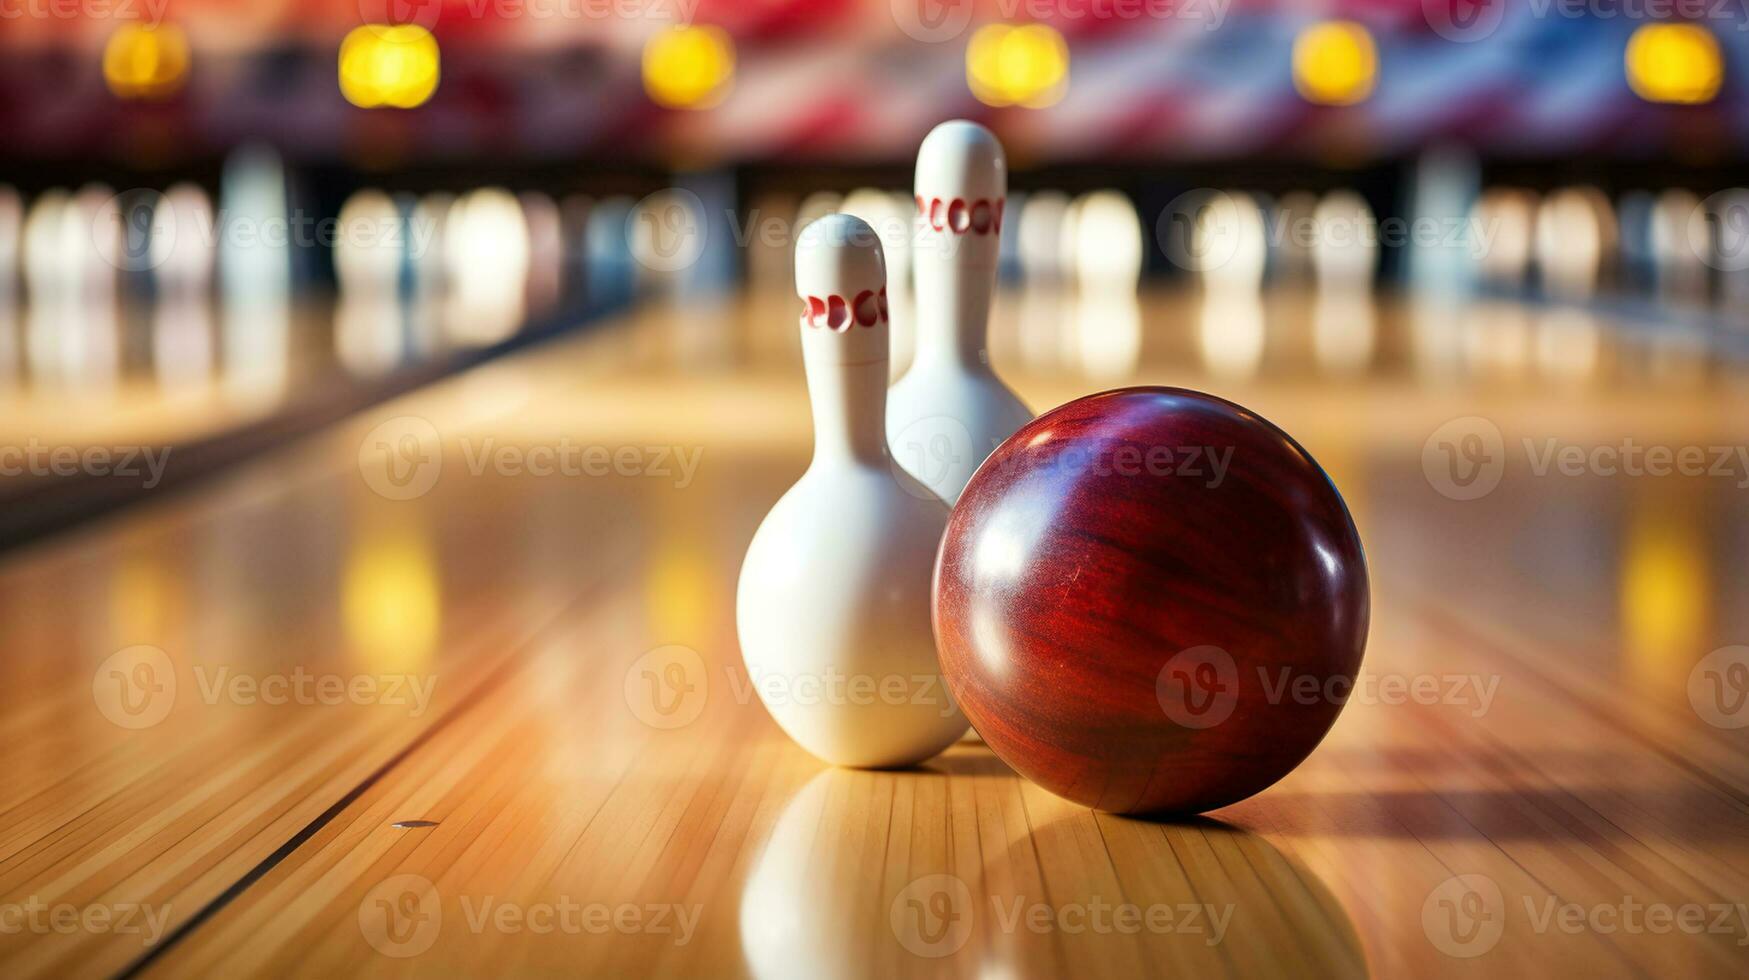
point(1151, 601)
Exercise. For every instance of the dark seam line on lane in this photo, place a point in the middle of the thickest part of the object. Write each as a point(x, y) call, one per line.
point(267, 864)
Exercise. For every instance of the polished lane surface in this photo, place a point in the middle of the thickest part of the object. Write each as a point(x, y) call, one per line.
point(501, 608)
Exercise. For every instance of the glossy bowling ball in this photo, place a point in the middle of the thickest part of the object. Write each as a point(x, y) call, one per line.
point(1151, 600)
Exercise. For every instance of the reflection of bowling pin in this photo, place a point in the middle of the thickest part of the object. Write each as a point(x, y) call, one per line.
point(890, 216)
point(833, 606)
point(950, 410)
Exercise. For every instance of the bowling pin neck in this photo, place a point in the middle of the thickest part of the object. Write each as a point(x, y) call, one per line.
point(961, 192)
point(842, 283)
point(952, 311)
point(849, 403)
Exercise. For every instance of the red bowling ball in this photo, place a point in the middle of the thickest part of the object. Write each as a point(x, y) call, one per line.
point(1151, 600)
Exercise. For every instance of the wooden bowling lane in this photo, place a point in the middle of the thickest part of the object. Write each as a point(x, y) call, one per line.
point(593, 787)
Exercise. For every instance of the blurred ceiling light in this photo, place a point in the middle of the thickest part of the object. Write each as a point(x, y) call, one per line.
point(1678, 63)
point(388, 66)
point(143, 61)
point(1335, 63)
point(689, 67)
point(1026, 65)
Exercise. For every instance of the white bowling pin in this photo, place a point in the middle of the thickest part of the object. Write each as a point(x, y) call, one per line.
point(833, 606)
point(950, 410)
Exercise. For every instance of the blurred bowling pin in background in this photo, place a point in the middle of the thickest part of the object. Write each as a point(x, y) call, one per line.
point(890, 216)
point(255, 274)
point(1229, 249)
point(369, 253)
point(834, 594)
point(1575, 235)
point(1108, 271)
point(950, 410)
point(1680, 258)
point(486, 251)
point(181, 253)
point(1345, 259)
point(11, 230)
point(1729, 218)
point(1046, 276)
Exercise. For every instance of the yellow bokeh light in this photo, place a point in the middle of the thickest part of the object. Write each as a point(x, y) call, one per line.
point(1335, 63)
point(1677, 63)
point(1025, 66)
point(391, 600)
point(689, 67)
point(142, 61)
point(393, 66)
